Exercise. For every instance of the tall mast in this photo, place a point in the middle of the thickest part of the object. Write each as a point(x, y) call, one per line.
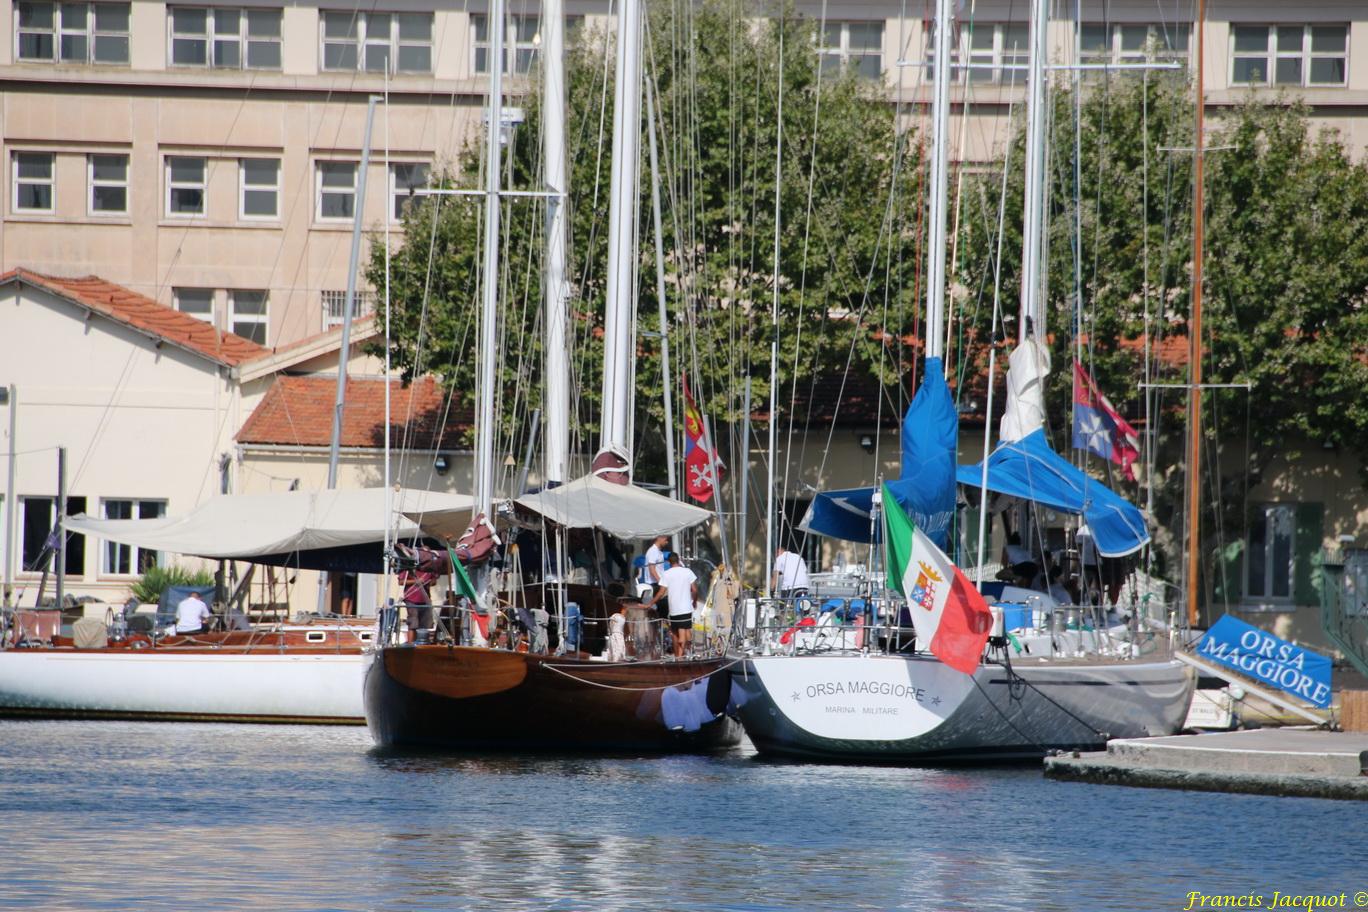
point(1032, 321)
point(940, 156)
point(556, 390)
point(619, 322)
point(485, 429)
point(1195, 334)
point(770, 516)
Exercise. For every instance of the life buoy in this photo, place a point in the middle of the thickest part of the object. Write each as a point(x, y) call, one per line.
point(788, 634)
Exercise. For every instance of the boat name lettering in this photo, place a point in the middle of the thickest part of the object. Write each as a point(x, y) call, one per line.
point(1268, 658)
point(875, 688)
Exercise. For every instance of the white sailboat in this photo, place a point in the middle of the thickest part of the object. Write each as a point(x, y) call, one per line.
point(837, 693)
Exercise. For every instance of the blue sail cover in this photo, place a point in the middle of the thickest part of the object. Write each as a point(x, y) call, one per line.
point(926, 488)
point(1029, 469)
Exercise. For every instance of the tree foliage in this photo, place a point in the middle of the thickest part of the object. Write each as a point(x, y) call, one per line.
point(846, 252)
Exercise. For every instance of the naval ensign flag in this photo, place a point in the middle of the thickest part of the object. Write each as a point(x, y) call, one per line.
point(949, 614)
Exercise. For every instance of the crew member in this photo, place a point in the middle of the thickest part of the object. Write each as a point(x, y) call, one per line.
point(191, 614)
point(681, 585)
point(790, 574)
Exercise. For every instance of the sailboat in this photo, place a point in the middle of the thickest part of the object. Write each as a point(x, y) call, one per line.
point(828, 693)
point(477, 697)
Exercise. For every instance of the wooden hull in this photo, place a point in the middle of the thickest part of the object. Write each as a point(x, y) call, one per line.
point(276, 676)
point(469, 698)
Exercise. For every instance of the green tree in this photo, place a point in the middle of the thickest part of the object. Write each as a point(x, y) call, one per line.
point(847, 248)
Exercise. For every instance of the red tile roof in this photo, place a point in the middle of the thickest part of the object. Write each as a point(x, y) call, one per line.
point(142, 313)
point(298, 411)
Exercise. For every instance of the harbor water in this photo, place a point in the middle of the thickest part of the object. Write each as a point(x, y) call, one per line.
point(122, 816)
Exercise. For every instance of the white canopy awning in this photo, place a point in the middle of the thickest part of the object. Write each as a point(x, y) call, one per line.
point(623, 511)
point(248, 526)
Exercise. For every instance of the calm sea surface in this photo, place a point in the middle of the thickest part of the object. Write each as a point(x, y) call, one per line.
point(196, 817)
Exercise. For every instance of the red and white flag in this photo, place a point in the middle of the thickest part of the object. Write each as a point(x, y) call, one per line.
point(701, 465)
point(949, 614)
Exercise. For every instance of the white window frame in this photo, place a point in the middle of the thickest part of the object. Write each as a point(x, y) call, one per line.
point(262, 319)
point(16, 182)
point(243, 37)
point(179, 295)
point(369, 35)
point(1001, 60)
point(24, 503)
point(399, 197)
point(1154, 49)
point(131, 555)
point(92, 183)
point(244, 188)
point(520, 49)
point(334, 304)
point(93, 35)
point(843, 52)
point(319, 166)
point(202, 186)
point(1271, 515)
point(1304, 54)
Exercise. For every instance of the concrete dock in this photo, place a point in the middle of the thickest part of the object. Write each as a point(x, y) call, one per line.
point(1272, 761)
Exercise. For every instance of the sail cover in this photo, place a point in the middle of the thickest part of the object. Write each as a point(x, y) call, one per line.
point(316, 530)
point(1029, 469)
point(926, 486)
point(623, 511)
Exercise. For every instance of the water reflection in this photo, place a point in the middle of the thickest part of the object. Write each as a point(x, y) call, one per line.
point(128, 816)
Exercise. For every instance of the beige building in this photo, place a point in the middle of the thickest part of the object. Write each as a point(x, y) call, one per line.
point(207, 155)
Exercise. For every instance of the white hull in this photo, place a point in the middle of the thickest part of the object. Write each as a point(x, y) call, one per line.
point(253, 687)
point(914, 708)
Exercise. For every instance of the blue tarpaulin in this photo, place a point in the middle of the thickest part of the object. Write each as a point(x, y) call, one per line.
point(1029, 469)
point(926, 487)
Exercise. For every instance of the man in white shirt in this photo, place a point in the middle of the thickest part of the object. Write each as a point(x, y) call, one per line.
point(191, 614)
point(680, 583)
point(790, 574)
point(655, 562)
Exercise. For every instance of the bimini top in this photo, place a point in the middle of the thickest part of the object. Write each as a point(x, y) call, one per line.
point(1029, 469)
point(623, 511)
point(315, 530)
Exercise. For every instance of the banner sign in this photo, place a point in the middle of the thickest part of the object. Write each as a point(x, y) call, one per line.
point(1274, 661)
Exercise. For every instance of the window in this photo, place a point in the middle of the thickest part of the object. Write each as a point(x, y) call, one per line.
point(997, 53)
point(853, 44)
point(185, 185)
point(216, 38)
point(336, 191)
point(259, 189)
point(126, 560)
point(1271, 548)
point(335, 306)
point(108, 184)
point(197, 302)
point(377, 42)
point(73, 32)
point(32, 181)
point(404, 179)
point(1134, 43)
point(1289, 55)
point(248, 315)
point(37, 520)
point(520, 39)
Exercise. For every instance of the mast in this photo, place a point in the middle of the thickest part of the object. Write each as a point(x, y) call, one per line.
point(485, 430)
point(666, 377)
point(619, 324)
point(940, 154)
point(1032, 321)
point(770, 515)
point(556, 390)
point(1194, 455)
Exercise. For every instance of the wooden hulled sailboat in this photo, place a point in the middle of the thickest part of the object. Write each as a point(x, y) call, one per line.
point(476, 697)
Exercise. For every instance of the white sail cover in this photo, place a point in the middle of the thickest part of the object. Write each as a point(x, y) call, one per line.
point(244, 526)
point(623, 511)
point(1027, 368)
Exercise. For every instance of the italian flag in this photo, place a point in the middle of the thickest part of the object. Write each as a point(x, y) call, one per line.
point(948, 613)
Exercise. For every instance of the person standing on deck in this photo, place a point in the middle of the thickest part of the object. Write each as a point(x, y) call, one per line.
point(680, 583)
point(655, 562)
point(790, 574)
